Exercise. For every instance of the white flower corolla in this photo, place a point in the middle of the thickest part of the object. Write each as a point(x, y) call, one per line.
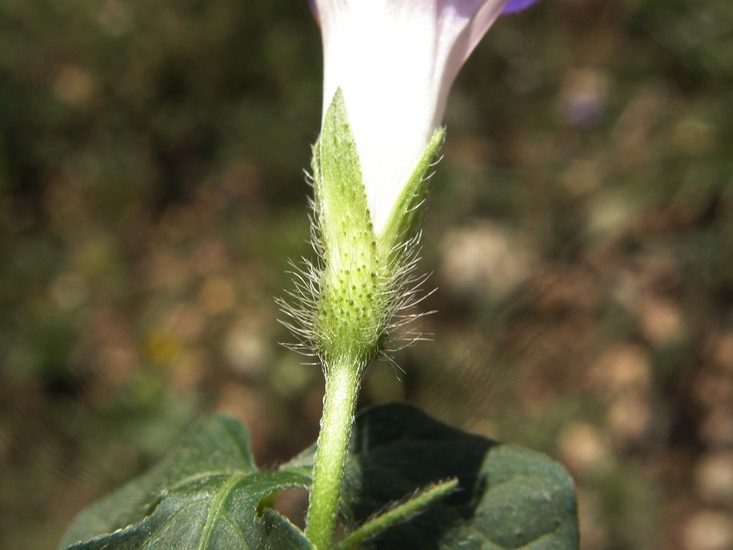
point(395, 62)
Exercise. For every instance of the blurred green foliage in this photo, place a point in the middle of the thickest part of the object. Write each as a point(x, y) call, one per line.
point(580, 228)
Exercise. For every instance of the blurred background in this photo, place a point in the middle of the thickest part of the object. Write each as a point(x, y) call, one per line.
point(579, 231)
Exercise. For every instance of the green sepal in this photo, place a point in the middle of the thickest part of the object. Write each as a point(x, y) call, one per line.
point(360, 272)
point(353, 305)
point(403, 221)
point(341, 201)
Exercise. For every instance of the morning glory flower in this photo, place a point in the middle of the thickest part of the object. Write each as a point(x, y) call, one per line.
point(395, 62)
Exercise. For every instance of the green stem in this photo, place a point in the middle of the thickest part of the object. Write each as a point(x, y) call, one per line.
point(398, 514)
point(342, 386)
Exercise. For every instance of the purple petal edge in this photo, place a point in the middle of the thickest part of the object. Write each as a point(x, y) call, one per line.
point(514, 6)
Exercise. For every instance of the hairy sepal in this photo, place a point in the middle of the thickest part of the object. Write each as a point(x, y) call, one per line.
point(353, 305)
point(347, 301)
point(403, 223)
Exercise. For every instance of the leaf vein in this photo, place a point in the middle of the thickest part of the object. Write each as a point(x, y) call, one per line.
point(215, 510)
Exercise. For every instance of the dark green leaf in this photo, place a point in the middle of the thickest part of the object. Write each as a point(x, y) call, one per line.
point(208, 493)
point(205, 494)
point(508, 497)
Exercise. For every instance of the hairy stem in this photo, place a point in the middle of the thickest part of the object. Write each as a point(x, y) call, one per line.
point(342, 386)
point(399, 513)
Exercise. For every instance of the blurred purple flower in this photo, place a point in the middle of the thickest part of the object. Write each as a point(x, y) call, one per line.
point(395, 62)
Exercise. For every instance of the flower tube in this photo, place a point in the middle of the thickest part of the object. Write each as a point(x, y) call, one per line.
point(395, 62)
